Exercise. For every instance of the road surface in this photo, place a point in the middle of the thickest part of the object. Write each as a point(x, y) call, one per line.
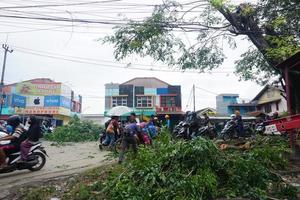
point(63, 161)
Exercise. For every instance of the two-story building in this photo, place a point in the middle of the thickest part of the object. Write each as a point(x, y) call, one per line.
point(223, 101)
point(43, 98)
point(270, 99)
point(145, 95)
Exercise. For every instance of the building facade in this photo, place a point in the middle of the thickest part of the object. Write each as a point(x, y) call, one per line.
point(43, 98)
point(146, 95)
point(243, 108)
point(223, 101)
point(270, 99)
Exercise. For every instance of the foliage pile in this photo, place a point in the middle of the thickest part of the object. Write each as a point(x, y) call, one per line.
point(188, 170)
point(199, 170)
point(75, 131)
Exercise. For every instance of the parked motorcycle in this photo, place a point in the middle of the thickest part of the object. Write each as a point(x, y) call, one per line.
point(229, 130)
point(206, 131)
point(35, 161)
point(260, 128)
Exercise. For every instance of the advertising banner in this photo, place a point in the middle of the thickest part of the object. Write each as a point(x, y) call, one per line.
point(52, 101)
point(35, 101)
point(65, 102)
point(57, 101)
point(18, 101)
point(41, 89)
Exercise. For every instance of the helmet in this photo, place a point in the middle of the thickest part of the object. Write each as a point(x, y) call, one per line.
point(155, 118)
point(167, 116)
point(14, 120)
point(232, 116)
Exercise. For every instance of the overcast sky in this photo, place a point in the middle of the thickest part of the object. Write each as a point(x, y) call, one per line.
point(40, 47)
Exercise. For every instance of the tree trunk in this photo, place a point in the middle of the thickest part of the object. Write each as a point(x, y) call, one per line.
point(246, 25)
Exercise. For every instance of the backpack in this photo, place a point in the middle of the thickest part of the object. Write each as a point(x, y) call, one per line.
point(107, 123)
point(110, 128)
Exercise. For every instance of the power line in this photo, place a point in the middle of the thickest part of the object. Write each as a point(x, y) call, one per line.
point(100, 62)
point(206, 90)
point(58, 5)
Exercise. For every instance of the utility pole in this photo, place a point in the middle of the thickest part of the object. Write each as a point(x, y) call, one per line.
point(6, 49)
point(194, 98)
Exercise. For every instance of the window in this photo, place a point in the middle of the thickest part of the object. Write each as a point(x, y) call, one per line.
point(268, 108)
point(168, 101)
point(144, 102)
point(119, 101)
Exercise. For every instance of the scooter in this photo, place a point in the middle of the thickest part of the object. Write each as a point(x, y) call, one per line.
point(102, 136)
point(36, 160)
point(260, 128)
point(207, 131)
point(228, 131)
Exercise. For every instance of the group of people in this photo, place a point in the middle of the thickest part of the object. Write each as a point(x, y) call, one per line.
point(20, 137)
point(132, 132)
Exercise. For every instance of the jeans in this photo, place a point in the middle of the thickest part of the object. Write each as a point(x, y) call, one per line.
point(25, 147)
point(127, 140)
point(109, 139)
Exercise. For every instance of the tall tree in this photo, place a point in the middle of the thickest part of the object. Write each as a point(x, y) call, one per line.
point(272, 26)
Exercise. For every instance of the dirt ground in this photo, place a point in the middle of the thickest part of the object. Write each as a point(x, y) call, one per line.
point(63, 161)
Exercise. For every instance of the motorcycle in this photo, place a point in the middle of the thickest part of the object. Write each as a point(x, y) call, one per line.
point(182, 130)
point(260, 128)
point(36, 160)
point(102, 136)
point(229, 130)
point(207, 131)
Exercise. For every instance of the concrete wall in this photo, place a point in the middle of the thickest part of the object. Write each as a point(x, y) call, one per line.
point(97, 118)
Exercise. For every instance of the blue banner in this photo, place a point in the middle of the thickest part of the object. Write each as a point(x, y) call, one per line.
point(18, 101)
point(65, 102)
point(52, 101)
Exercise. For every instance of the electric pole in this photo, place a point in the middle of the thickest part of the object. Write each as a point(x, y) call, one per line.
point(6, 49)
point(194, 98)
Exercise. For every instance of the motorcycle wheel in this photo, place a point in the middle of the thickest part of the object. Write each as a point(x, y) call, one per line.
point(41, 161)
point(118, 146)
point(225, 137)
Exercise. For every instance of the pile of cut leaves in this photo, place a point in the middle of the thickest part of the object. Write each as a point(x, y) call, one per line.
point(194, 170)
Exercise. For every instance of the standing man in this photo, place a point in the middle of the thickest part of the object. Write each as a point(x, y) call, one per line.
point(240, 124)
point(130, 136)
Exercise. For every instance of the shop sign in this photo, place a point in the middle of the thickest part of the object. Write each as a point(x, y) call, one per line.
point(37, 111)
point(18, 101)
point(28, 88)
point(65, 102)
point(52, 101)
point(35, 101)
